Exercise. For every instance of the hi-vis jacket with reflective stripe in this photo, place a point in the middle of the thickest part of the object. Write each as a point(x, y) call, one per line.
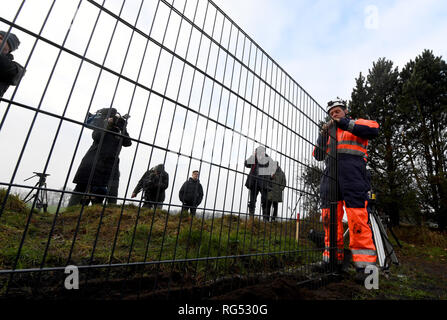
point(352, 137)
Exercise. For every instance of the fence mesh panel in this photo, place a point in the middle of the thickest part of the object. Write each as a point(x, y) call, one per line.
point(201, 96)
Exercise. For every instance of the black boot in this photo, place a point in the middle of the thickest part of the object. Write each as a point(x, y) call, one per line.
point(347, 258)
point(266, 217)
point(325, 267)
point(321, 267)
point(360, 276)
point(251, 211)
point(266, 214)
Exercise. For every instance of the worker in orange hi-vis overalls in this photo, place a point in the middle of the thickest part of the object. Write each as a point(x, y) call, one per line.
point(353, 184)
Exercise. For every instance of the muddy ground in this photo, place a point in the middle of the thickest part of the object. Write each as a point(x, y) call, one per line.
point(420, 275)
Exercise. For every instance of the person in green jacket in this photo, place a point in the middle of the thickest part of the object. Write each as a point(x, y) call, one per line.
point(275, 195)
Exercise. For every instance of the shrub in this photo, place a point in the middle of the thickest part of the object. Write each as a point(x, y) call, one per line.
point(421, 236)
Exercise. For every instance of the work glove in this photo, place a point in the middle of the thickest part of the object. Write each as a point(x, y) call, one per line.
point(326, 127)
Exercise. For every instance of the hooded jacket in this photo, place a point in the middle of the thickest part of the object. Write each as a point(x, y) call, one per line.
point(155, 180)
point(278, 185)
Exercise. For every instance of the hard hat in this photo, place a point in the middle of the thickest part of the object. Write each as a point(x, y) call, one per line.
point(336, 103)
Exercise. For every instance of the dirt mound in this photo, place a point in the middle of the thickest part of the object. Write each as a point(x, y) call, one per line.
point(13, 202)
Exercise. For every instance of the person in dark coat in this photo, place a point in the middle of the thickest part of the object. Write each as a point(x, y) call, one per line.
point(275, 195)
point(191, 193)
point(10, 71)
point(113, 189)
point(154, 182)
point(262, 167)
point(106, 168)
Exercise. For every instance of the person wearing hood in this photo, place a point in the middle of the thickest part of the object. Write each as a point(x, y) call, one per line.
point(154, 182)
point(262, 168)
point(10, 71)
point(275, 195)
point(101, 161)
point(191, 193)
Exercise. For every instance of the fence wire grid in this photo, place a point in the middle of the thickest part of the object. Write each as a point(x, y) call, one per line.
point(201, 96)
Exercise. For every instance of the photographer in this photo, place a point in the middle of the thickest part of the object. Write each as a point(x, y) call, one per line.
point(262, 168)
point(154, 183)
point(10, 71)
point(106, 168)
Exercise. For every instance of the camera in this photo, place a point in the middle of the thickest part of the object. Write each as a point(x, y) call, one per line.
point(120, 121)
point(100, 119)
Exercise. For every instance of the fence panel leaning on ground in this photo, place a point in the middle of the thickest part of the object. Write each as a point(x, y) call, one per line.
point(114, 90)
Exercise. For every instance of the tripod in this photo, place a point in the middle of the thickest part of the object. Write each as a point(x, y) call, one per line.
point(385, 250)
point(41, 194)
point(294, 209)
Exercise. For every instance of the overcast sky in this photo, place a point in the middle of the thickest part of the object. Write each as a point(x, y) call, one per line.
point(59, 83)
point(322, 45)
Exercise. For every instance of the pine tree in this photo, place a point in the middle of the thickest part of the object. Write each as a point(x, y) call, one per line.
point(375, 97)
point(424, 102)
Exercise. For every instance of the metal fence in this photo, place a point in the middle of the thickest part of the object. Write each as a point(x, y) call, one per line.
point(201, 95)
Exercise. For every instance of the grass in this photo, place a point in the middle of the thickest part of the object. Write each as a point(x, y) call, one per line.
point(422, 236)
point(93, 236)
point(421, 273)
point(145, 235)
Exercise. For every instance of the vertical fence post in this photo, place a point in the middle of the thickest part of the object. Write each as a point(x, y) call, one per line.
point(333, 196)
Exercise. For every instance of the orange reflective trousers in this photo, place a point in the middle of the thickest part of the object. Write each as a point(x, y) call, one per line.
point(360, 235)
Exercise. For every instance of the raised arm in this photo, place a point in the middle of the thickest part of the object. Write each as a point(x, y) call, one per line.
point(365, 129)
